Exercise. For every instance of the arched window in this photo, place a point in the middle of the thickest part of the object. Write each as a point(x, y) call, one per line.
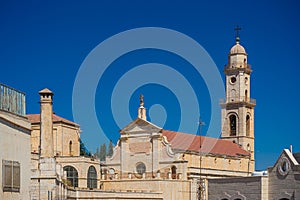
point(248, 147)
point(70, 148)
point(247, 125)
point(92, 177)
point(140, 168)
point(72, 176)
point(246, 95)
point(173, 169)
point(232, 123)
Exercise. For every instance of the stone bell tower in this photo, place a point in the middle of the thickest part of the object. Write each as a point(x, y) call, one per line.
point(46, 123)
point(238, 107)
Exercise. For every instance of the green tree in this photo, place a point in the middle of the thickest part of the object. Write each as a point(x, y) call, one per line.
point(83, 149)
point(102, 152)
point(97, 154)
point(110, 149)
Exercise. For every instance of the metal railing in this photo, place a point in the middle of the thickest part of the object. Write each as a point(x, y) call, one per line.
point(238, 99)
point(235, 66)
point(12, 100)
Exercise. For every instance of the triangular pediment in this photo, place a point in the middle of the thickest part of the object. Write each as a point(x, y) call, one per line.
point(286, 161)
point(140, 126)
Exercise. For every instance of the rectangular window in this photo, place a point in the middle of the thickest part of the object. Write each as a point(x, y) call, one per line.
point(10, 176)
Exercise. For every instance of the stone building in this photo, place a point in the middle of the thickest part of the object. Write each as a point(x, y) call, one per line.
point(58, 139)
point(58, 171)
point(149, 155)
point(15, 145)
point(41, 157)
point(280, 182)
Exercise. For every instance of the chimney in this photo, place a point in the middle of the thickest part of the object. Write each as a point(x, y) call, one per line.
point(46, 129)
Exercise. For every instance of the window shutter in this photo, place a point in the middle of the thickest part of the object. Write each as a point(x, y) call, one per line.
point(11, 176)
point(7, 174)
point(16, 176)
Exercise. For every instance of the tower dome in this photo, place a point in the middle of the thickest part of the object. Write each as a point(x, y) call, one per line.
point(237, 48)
point(237, 57)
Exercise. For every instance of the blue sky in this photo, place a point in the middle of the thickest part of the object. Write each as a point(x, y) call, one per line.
point(44, 43)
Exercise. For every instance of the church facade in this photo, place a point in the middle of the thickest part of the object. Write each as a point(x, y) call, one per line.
point(149, 155)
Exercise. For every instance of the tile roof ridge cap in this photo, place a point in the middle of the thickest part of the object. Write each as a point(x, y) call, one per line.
point(191, 134)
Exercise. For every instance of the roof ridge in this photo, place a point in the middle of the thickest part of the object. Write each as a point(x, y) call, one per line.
point(191, 142)
point(34, 118)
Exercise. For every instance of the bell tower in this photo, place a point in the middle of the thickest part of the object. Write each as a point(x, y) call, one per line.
point(238, 107)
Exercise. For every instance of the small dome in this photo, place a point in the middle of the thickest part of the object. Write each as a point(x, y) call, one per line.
point(237, 49)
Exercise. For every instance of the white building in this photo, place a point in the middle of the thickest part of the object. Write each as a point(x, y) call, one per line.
point(15, 145)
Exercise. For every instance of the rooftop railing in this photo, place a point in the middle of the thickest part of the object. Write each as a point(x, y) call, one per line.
point(12, 100)
point(238, 99)
point(238, 66)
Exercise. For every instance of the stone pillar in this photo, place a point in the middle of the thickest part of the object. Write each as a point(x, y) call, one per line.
point(46, 138)
point(169, 175)
point(158, 174)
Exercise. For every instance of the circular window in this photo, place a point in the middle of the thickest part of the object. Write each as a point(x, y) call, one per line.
point(284, 166)
point(140, 168)
point(111, 171)
point(232, 79)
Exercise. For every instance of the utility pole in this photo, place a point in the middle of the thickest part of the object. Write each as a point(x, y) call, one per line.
point(201, 185)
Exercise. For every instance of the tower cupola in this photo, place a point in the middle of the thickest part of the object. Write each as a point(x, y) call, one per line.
point(237, 57)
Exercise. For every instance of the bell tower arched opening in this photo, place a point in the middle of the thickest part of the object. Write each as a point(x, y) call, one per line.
point(232, 125)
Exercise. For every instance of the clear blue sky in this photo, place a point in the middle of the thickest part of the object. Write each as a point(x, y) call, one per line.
point(44, 43)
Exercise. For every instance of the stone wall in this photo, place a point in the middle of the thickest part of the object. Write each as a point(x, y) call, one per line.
point(80, 193)
point(170, 189)
point(284, 184)
point(62, 135)
point(253, 188)
point(216, 166)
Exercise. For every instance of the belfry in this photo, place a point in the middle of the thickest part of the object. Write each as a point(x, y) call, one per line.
point(238, 107)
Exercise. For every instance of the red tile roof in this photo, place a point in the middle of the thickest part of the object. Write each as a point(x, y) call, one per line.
point(35, 118)
point(190, 142)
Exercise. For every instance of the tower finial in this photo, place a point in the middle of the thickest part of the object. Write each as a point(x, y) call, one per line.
point(141, 100)
point(142, 109)
point(237, 35)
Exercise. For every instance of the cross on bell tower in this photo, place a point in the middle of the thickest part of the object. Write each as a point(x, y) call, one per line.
point(237, 29)
point(238, 107)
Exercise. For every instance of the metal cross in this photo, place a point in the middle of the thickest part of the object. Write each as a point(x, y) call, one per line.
point(237, 29)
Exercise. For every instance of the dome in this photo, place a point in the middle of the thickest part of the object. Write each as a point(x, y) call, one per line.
point(237, 49)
